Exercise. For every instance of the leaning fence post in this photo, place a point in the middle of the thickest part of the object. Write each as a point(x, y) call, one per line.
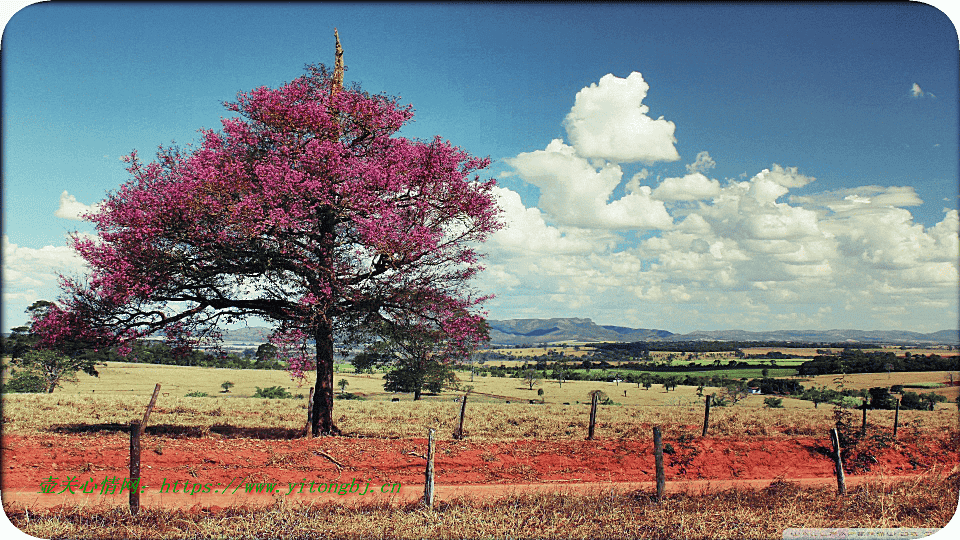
point(593, 415)
point(458, 434)
point(706, 416)
point(896, 419)
point(658, 456)
point(838, 462)
point(428, 485)
point(146, 414)
point(135, 429)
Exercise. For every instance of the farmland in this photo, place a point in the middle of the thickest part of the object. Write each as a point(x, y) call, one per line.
point(529, 451)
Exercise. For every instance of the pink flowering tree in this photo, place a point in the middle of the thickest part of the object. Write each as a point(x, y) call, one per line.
point(307, 211)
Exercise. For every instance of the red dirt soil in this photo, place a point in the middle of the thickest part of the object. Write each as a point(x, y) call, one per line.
point(462, 467)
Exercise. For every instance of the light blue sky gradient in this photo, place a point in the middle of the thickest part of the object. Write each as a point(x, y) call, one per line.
point(825, 89)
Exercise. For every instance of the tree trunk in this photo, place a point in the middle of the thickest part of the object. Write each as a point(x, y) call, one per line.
point(416, 393)
point(322, 417)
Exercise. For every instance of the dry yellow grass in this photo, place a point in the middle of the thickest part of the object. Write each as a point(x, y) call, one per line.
point(121, 393)
point(740, 514)
point(30, 413)
point(858, 381)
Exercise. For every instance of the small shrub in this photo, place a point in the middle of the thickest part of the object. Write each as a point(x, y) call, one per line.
point(773, 402)
point(349, 395)
point(273, 392)
point(197, 394)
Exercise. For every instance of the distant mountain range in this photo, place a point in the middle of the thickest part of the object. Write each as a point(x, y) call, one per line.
point(559, 330)
point(519, 331)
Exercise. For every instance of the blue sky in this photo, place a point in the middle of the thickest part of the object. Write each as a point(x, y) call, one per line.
point(804, 173)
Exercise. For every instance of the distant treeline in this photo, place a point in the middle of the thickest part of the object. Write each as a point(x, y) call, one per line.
point(641, 348)
point(156, 352)
point(857, 361)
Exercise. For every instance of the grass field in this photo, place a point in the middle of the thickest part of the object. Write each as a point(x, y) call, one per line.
point(733, 514)
point(121, 392)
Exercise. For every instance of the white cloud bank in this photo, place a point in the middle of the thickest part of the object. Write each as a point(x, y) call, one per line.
point(693, 252)
point(30, 274)
point(72, 209)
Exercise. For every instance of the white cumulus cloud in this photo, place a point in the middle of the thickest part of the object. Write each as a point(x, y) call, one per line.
point(72, 209)
point(573, 192)
point(692, 187)
point(31, 274)
point(608, 121)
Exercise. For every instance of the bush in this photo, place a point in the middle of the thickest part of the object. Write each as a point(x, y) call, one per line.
point(348, 395)
point(197, 394)
point(24, 382)
point(880, 398)
point(773, 403)
point(273, 392)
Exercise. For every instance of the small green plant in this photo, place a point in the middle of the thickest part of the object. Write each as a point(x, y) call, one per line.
point(688, 451)
point(343, 384)
point(273, 392)
point(226, 385)
point(350, 395)
point(773, 402)
point(197, 394)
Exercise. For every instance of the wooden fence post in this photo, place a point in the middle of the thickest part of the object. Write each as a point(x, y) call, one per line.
point(309, 413)
point(135, 430)
point(593, 415)
point(458, 434)
point(896, 420)
point(658, 456)
point(838, 462)
point(146, 415)
point(428, 485)
point(863, 426)
point(706, 416)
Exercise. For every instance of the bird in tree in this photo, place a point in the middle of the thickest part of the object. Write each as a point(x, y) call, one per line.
point(306, 210)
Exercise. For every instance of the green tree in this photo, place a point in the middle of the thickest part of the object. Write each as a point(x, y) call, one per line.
point(367, 361)
point(880, 398)
point(226, 385)
point(420, 356)
point(23, 382)
point(343, 383)
point(531, 377)
point(266, 357)
point(417, 375)
point(53, 368)
point(735, 391)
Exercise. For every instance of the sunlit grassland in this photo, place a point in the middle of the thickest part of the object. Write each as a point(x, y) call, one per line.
point(32, 413)
point(121, 392)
